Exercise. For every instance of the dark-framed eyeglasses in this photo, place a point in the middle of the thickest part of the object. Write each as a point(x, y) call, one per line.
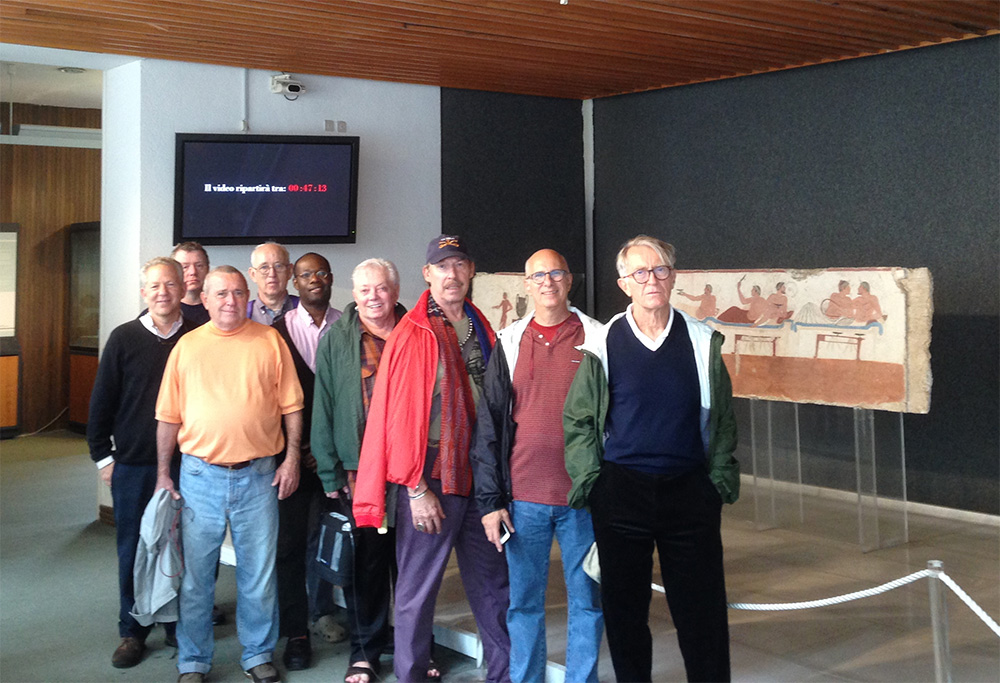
point(308, 275)
point(554, 275)
point(642, 275)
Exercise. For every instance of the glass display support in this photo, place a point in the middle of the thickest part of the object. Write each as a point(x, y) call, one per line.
point(856, 463)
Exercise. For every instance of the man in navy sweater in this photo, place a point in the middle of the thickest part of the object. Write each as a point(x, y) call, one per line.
point(121, 431)
point(650, 435)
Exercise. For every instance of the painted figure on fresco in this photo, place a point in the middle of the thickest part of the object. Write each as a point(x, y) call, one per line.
point(757, 306)
point(505, 306)
point(866, 306)
point(777, 307)
point(707, 307)
point(840, 304)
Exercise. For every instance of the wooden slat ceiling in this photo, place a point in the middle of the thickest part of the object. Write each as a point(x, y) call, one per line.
point(584, 49)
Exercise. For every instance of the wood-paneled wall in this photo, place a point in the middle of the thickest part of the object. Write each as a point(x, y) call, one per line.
point(44, 189)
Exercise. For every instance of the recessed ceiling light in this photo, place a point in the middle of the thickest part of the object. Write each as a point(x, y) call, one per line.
point(72, 70)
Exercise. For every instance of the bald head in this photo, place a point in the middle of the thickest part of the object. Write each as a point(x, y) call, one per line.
point(548, 281)
point(544, 255)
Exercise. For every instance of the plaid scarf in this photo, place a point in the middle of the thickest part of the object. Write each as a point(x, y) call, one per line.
point(458, 409)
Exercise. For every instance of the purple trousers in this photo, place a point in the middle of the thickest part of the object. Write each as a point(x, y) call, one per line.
point(422, 559)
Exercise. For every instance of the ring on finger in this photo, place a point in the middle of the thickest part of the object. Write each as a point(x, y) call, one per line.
point(420, 526)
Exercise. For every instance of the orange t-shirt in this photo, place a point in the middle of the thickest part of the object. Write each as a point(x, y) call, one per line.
point(228, 391)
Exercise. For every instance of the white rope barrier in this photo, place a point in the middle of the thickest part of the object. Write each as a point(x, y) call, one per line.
point(777, 606)
point(969, 602)
point(857, 595)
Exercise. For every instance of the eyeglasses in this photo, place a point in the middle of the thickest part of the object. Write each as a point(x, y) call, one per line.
point(642, 275)
point(308, 275)
point(265, 268)
point(539, 277)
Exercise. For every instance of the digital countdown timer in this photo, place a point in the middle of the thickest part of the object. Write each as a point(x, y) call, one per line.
point(308, 187)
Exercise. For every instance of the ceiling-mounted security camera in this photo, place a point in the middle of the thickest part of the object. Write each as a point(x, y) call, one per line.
point(285, 84)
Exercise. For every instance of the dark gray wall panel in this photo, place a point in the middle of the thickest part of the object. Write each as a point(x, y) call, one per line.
point(512, 176)
point(882, 161)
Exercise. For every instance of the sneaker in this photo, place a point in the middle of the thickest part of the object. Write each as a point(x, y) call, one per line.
point(298, 653)
point(263, 673)
point(128, 654)
point(327, 628)
point(191, 677)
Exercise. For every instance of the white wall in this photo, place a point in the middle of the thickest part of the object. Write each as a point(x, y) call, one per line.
point(399, 197)
point(147, 101)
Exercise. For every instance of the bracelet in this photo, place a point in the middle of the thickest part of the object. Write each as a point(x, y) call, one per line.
point(419, 495)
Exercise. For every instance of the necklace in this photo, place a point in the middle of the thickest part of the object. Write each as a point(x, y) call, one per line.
point(468, 333)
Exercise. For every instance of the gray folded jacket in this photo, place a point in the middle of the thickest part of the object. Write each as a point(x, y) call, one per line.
point(159, 561)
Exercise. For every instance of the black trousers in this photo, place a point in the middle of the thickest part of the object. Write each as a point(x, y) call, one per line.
point(681, 516)
point(368, 597)
point(131, 488)
point(290, 562)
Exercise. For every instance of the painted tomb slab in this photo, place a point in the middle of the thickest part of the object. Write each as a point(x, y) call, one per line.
point(501, 297)
point(838, 336)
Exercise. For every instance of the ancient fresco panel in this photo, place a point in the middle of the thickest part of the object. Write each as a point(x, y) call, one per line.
point(838, 336)
point(501, 297)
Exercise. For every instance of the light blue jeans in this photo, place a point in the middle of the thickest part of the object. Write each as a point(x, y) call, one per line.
point(245, 498)
point(528, 565)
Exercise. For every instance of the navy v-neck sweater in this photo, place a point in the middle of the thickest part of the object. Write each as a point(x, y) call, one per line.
point(654, 414)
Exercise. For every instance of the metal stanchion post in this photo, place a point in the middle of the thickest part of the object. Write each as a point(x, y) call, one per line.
point(939, 623)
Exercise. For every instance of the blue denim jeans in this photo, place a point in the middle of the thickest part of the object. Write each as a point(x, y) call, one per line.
point(528, 565)
point(246, 500)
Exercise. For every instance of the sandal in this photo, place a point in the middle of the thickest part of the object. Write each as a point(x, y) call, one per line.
point(436, 676)
point(362, 671)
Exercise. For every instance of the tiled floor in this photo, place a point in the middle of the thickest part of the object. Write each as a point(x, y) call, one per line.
point(882, 638)
point(58, 593)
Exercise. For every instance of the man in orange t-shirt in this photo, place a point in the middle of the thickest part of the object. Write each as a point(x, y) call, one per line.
point(223, 398)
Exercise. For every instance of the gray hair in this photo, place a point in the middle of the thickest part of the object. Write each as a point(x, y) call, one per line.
point(161, 261)
point(664, 251)
point(271, 243)
point(388, 266)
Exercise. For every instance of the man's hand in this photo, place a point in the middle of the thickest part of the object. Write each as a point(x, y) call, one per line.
point(491, 523)
point(427, 513)
point(286, 478)
point(165, 482)
point(105, 473)
point(347, 491)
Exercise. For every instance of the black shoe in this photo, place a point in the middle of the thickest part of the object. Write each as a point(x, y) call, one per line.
point(128, 654)
point(298, 653)
point(263, 673)
point(218, 616)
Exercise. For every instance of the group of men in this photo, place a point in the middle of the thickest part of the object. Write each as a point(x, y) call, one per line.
point(432, 432)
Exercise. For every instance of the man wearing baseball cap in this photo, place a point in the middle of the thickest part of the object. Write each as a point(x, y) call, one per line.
point(418, 435)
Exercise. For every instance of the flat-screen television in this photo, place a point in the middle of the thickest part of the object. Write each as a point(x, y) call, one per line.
point(247, 189)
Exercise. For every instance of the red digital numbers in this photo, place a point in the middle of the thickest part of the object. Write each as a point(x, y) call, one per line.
point(293, 188)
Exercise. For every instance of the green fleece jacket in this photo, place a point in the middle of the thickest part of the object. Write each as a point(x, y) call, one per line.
point(338, 419)
point(587, 407)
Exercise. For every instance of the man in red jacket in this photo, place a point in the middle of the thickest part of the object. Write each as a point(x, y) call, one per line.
point(418, 435)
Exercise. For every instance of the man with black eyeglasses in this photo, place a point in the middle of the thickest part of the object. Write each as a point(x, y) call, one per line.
point(650, 434)
point(302, 328)
point(519, 472)
point(270, 269)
